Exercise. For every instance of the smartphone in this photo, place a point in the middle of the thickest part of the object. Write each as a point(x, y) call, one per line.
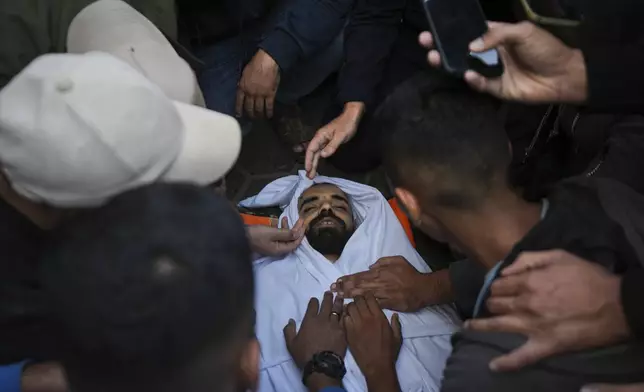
point(454, 24)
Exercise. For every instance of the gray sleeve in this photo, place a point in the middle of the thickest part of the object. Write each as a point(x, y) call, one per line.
point(467, 370)
point(467, 279)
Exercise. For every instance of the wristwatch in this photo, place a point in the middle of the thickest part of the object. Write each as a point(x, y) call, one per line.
point(326, 362)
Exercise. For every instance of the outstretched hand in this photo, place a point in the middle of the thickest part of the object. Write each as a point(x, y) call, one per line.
point(271, 241)
point(539, 68)
point(329, 138)
point(560, 302)
point(374, 343)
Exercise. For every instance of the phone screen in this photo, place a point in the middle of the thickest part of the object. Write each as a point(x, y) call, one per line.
point(456, 23)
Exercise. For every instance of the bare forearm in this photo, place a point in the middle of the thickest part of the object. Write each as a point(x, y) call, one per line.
point(385, 380)
point(436, 288)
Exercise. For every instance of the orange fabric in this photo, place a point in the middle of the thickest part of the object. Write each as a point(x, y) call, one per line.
point(259, 220)
point(404, 221)
point(268, 221)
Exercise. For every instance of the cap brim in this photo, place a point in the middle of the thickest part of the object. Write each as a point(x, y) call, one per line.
point(211, 145)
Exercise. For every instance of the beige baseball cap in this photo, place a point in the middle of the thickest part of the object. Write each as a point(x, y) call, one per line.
point(114, 27)
point(76, 130)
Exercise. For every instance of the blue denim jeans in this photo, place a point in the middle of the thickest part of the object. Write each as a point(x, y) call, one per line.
point(225, 62)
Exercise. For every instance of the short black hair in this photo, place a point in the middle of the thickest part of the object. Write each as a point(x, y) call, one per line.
point(448, 132)
point(144, 284)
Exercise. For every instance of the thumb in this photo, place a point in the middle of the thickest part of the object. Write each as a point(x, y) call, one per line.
point(527, 261)
point(385, 261)
point(499, 34)
point(532, 351)
point(284, 235)
point(289, 333)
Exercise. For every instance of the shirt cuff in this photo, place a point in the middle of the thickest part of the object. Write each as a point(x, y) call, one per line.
point(11, 377)
point(282, 48)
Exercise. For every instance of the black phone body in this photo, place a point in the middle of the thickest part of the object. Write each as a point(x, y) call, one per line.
point(454, 24)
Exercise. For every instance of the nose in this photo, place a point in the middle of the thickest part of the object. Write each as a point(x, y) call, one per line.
point(325, 207)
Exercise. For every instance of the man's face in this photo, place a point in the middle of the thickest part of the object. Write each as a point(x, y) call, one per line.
point(328, 218)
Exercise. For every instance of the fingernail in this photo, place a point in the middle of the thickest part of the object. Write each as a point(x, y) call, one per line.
point(477, 44)
point(494, 367)
point(334, 286)
point(590, 388)
point(466, 324)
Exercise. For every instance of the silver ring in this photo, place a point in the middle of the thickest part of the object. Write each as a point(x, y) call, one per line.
point(335, 314)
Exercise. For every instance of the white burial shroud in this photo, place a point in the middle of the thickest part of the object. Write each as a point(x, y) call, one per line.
point(284, 287)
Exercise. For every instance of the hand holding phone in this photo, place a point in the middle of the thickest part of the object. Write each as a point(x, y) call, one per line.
point(454, 24)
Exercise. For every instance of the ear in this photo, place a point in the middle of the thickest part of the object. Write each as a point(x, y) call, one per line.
point(410, 203)
point(249, 366)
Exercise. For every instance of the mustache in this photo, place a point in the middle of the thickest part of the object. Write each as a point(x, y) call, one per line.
point(324, 215)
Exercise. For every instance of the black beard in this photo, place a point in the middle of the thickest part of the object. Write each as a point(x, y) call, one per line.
point(328, 240)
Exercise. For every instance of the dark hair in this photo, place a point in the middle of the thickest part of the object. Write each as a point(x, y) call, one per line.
point(447, 132)
point(144, 284)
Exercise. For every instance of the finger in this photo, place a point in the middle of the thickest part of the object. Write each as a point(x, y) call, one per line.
point(434, 58)
point(285, 223)
point(312, 308)
point(531, 352)
point(270, 106)
point(284, 235)
point(385, 261)
point(239, 102)
point(361, 306)
point(508, 286)
point(527, 261)
point(316, 145)
point(498, 34)
point(426, 40)
point(249, 105)
point(332, 146)
point(348, 324)
point(372, 304)
point(502, 305)
point(482, 84)
point(327, 304)
point(314, 165)
point(298, 228)
point(289, 333)
point(352, 311)
point(260, 103)
point(284, 247)
point(338, 305)
point(396, 328)
point(507, 323)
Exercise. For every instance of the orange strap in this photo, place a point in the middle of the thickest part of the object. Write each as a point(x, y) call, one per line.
point(404, 221)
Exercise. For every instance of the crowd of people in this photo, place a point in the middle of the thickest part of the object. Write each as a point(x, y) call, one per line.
point(124, 268)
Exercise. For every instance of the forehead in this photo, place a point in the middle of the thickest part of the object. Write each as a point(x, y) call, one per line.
point(322, 191)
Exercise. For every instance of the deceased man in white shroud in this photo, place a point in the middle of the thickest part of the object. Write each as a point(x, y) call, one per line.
point(349, 227)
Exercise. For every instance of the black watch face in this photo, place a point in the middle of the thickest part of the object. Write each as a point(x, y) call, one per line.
point(330, 363)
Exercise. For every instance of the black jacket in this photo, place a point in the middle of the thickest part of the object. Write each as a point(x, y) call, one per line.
point(378, 27)
point(613, 47)
point(302, 28)
point(600, 220)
